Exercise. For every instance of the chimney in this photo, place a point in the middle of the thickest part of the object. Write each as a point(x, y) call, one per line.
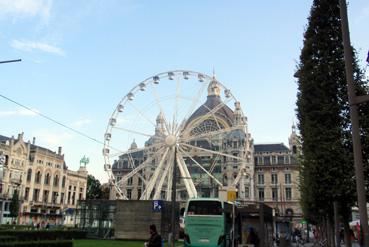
point(34, 141)
point(59, 150)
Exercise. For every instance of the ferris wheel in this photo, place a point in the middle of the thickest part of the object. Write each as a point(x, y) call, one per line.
point(178, 117)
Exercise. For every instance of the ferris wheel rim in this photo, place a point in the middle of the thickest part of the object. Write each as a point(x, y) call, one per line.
point(133, 91)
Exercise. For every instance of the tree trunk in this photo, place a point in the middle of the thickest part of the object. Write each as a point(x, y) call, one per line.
point(347, 233)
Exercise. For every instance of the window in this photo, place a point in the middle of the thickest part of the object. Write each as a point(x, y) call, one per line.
point(247, 192)
point(274, 160)
point(288, 194)
point(74, 198)
point(26, 194)
point(63, 182)
point(38, 177)
point(29, 175)
point(274, 178)
point(260, 178)
point(47, 179)
point(61, 198)
point(261, 194)
point(280, 160)
point(45, 196)
point(204, 208)
point(129, 193)
point(267, 160)
point(68, 201)
point(55, 197)
point(139, 192)
point(287, 178)
point(130, 181)
point(56, 180)
point(139, 181)
point(274, 194)
point(36, 193)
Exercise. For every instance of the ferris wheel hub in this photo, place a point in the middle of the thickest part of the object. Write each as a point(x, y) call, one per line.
point(170, 140)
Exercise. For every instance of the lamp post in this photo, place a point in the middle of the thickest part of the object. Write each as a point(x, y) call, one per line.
point(354, 102)
point(174, 188)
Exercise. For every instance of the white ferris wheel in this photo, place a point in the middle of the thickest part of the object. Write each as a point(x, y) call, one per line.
point(163, 120)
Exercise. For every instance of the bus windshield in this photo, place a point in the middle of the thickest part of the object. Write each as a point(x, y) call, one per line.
point(204, 208)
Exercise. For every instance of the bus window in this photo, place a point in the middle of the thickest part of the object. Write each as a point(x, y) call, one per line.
point(204, 208)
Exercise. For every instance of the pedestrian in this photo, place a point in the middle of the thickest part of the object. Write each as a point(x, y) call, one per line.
point(252, 238)
point(155, 238)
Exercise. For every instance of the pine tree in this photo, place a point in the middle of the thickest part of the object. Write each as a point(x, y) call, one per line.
point(327, 172)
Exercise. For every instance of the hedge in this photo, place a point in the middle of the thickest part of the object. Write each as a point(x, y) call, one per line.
point(64, 243)
point(35, 235)
point(7, 239)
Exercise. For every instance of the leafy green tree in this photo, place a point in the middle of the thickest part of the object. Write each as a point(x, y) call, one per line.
point(93, 188)
point(327, 172)
point(14, 205)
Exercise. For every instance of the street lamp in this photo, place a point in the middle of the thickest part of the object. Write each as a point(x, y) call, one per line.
point(354, 102)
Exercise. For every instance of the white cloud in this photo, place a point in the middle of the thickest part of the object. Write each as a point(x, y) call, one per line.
point(30, 46)
point(26, 8)
point(19, 112)
point(81, 122)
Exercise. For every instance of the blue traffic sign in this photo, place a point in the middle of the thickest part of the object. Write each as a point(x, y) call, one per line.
point(157, 205)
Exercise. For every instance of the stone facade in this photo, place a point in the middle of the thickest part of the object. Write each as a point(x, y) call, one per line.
point(48, 191)
point(277, 177)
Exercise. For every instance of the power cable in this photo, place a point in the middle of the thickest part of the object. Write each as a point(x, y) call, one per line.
point(52, 120)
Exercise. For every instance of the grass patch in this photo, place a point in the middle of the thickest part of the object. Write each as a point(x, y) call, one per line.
point(112, 243)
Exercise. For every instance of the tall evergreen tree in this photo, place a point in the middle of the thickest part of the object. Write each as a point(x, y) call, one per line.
point(14, 205)
point(327, 172)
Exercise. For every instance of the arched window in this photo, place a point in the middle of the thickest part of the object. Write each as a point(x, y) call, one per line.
point(56, 180)
point(63, 182)
point(29, 174)
point(38, 177)
point(47, 179)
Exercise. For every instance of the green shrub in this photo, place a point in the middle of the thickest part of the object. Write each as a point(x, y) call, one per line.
point(63, 243)
point(7, 239)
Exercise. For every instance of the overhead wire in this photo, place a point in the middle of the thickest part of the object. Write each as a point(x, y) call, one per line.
point(52, 120)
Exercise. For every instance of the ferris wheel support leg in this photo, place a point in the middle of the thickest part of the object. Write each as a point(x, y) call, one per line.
point(154, 178)
point(190, 187)
point(158, 188)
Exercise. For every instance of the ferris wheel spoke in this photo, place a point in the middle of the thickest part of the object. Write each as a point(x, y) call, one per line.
point(134, 132)
point(154, 178)
point(209, 114)
point(190, 187)
point(157, 100)
point(140, 167)
point(214, 152)
point(175, 115)
point(194, 101)
point(201, 167)
point(208, 134)
point(158, 145)
point(159, 186)
point(142, 115)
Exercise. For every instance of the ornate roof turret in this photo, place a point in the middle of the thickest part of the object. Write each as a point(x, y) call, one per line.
point(214, 88)
point(159, 129)
point(133, 145)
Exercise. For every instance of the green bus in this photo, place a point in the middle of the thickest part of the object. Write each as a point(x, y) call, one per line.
point(208, 223)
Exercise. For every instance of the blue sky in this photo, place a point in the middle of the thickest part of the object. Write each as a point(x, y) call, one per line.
point(79, 58)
